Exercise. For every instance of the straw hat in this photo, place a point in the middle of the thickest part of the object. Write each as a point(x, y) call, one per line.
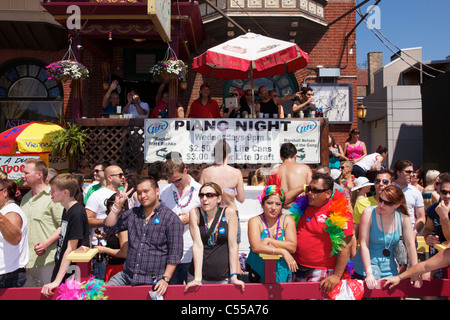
point(361, 182)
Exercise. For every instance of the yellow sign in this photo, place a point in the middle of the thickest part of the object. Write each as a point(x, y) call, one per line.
point(159, 12)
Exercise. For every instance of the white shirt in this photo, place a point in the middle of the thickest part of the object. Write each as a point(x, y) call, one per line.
point(185, 203)
point(96, 203)
point(414, 200)
point(135, 114)
point(13, 257)
point(368, 161)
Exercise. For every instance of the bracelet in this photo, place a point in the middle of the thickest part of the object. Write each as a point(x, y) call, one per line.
point(233, 274)
point(115, 209)
point(198, 279)
point(399, 277)
point(117, 205)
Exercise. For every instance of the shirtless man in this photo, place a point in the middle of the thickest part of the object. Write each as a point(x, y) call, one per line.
point(292, 175)
point(228, 178)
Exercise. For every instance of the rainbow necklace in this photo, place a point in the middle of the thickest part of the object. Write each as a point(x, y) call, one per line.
point(175, 197)
point(347, 183)
point(212, 240)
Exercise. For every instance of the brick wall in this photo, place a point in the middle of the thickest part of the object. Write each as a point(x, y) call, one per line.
point(324, 49)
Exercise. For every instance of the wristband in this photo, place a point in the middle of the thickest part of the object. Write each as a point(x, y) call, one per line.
point(233, 274)
point(117, 205)
point(198, 279)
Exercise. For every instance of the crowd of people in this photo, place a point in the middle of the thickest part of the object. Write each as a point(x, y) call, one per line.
point(172, 226)
point(265, 103)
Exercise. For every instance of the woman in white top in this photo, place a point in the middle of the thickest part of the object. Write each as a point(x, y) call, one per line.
point(372, 161)
point(13, 237)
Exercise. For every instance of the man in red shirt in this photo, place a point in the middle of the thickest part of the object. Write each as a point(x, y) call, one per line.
point(204, 107)
point(314, 246)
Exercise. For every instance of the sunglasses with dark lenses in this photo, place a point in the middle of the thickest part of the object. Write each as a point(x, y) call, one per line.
point(387, 203)
point(209, 195)
point(235, 94)
point(445, 192)
point(177, 181)
point(314, 190)
point(408, 171)
point(96, 171)
point(385, 181)
point(120, 175)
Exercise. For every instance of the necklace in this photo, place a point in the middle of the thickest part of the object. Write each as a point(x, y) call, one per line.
point(212, 240)
point(268, 229)
point(386, 251)
point(347, 183)
point(6, 203)
point(175, 197)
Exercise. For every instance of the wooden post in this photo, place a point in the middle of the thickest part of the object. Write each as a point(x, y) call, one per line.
point(270, 267)
point(83, 261)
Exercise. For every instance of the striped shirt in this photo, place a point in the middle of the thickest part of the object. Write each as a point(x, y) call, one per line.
point(151, 245)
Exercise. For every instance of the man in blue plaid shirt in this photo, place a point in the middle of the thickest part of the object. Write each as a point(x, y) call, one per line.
point(155, 237)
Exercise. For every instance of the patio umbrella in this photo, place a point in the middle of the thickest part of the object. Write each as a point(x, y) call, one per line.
point(33, 137)
point(250, 55)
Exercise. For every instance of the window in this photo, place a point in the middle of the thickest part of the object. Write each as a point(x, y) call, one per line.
point(27, 95)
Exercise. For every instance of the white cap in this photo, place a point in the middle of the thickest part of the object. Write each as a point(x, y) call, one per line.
point(361, 182)
point(335, 173)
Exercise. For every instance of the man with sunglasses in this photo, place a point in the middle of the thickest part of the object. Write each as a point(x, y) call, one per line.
point(180, 197)
point(98, 177)
point(403, 170)
point(306, 103)
point(96, 212)
point(383, 179)
point(269, 107)
point(314, 246)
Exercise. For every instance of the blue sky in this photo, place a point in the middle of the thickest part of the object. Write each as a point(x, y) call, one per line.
point(407, 24)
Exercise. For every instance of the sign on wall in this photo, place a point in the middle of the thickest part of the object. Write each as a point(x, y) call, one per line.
point(252, 141)
point(335, 99)
point(159, 12)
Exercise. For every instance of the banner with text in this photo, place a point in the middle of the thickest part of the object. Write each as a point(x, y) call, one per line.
point(251, 140)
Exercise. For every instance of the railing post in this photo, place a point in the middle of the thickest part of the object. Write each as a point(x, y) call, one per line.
point(270, 267)
point(83, 261)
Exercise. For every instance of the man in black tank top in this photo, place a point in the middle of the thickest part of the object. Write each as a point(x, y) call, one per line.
point(268, 107)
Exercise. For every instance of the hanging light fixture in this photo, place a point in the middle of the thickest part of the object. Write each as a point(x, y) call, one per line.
point(361, 111)
point(183, 84)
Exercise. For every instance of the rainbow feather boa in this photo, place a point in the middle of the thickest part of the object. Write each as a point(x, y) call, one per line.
point(337, 217)
point(88, 290)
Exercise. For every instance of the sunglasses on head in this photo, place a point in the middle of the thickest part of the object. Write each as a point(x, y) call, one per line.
point(314, 190)
point(209, 195)
point(445, 192)
point(385, 181)
point(387, 203)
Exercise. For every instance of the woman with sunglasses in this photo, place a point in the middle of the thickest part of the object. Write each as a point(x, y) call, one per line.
point(214, 233)
point(239, 111)
point(272, 233)
point(380, 230)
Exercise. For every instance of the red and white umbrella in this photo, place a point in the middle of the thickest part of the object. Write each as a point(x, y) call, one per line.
point(250, 55)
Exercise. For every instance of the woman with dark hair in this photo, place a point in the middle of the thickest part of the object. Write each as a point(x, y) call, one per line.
point(13, 237)
point(116, 245)
point(214, 232)
point(354, 149)
point(273, 233)
point(204, 106)
point(372, 161)
point(335, 153)
point(381, 228)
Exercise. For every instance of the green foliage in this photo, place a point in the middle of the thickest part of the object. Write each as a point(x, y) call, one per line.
point(69, 142)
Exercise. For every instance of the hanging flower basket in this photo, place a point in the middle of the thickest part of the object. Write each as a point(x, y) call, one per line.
point(169, 70)
point(67, 69)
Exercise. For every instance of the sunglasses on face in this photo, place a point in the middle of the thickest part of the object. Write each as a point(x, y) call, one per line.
point(235, 94)
point(120, 175)
point(342, 167)
point(314, 190)
point(265, 91)
point(385, 181)
point(177, 181)
point(387, 203)
point(445, 192)
point(209, 195)
point(408, 171)
point(96, 171)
